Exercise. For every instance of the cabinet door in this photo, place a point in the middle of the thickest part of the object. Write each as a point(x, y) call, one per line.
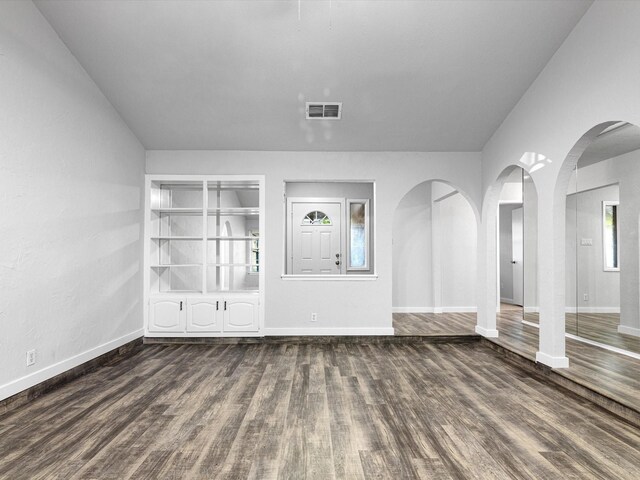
point(241, 315)
point(167, 314)
point(204, 314)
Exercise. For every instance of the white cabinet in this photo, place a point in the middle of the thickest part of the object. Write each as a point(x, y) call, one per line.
point(241, 315)
point(203, 315)
point(167, 314)
point(203, 248)
point(216, 314)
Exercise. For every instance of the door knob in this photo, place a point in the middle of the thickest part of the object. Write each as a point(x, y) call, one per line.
point(513, 261)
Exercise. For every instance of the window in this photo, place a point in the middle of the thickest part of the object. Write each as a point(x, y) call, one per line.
point(316, 218)
point(610, 235)
point(358, 243)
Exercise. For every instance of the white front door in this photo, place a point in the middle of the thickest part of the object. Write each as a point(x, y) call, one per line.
point(316, 238)
point(517, 261)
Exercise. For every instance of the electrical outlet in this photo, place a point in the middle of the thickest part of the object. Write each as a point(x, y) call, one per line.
point(314, 317)
point(31, 357)
point(585, 297)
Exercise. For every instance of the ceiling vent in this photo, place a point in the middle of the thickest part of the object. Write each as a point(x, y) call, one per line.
point(324, 110)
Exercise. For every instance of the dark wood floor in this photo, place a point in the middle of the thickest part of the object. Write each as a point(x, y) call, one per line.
point(614, 375)
point(409, 324)
point(599, 327)
point(389, 411)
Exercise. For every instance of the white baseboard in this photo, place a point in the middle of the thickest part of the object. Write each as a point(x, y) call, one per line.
point(434, 309)
point(323, 332)
point(553, 362)
point(487, 332)
point(592, 310)
point(39, 376)
point(412, 309)
point(629, 330)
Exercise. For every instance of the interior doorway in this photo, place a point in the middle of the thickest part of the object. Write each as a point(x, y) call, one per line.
point(511, 242)
point(517, 255)
point(517, 249)
point(434, 262)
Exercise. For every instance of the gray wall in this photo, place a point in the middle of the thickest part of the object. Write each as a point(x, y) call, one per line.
point(412, 268)
point(72, 175)
point(355, 304)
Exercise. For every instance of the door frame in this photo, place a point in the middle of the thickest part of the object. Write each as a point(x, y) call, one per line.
point(288, 254)
point(519, 281)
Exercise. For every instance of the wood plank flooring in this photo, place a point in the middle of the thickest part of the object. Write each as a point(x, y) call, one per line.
point(352, 411)
point(599, 327)
point(431, 324)
point(611, 374)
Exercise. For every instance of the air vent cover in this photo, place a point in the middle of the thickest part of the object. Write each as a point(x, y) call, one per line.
point(324, 110)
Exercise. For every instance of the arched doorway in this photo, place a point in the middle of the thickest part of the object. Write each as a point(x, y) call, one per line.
point(516, 255)
point(508, 280)
point(434, 261)
point(602, 206)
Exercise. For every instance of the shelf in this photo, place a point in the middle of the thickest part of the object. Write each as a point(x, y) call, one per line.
point(233, 238)
point(232, 265)
point(175, 292)
point(185, 223)
point(232, 292)
point(166, 237)
point(178, 265)
point(189, 211)
point(233, 211)
point(233, 185)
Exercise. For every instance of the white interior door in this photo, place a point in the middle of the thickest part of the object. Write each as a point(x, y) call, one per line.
point(517, 256)
point(316, 230)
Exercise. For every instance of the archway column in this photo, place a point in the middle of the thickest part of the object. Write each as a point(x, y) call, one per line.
point(551, 279)
point(487, 273)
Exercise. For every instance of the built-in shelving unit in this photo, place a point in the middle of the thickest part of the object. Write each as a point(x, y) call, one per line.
point(203, 252)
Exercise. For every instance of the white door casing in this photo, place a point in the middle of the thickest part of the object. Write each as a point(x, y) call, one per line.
point(315, 240)
point(517, 240)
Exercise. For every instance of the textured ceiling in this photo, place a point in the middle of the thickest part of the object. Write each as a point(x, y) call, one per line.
point(234, 75)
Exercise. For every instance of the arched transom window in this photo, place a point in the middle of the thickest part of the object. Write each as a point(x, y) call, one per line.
point(316, 218)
